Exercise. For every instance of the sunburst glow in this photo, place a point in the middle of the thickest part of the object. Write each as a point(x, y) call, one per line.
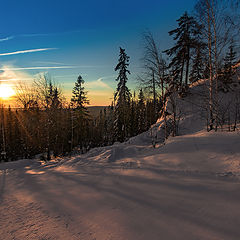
point(6, 91)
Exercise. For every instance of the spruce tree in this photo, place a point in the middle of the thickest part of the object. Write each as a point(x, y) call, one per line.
point(133, 117)
point(198, 64)
point(79, 98)
point(229, 61)
point(54, 105)
point(185, 36)
point(141, 112)
point(80, 116)
point(110, 125)
point(122, 97)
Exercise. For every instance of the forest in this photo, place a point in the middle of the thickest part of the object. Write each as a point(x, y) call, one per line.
point(206, 46)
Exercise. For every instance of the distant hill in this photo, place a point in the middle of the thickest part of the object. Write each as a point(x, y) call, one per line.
point(93, 110)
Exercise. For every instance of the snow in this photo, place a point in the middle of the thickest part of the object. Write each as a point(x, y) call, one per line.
point(185, 188)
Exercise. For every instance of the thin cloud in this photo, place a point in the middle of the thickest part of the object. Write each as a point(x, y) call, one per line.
point(51, 63)
point(6, 39)
point(27, 51)
point(98, 83)
point(39, 68)
point(7, 75)
point(47, 67)
point(35, 35)
point(54, 33)
point(70, 76)
point(109, 77)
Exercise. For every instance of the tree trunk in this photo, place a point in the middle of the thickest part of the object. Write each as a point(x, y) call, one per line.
point(181, 75)
point(210, 68)
point(187, 66)
point(154, 95)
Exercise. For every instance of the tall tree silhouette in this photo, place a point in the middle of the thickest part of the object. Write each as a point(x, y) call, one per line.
point(141, 112)
point(79, 116)
point(185, 36)
point(79, 98)
point(122, 97)
point(229, 61)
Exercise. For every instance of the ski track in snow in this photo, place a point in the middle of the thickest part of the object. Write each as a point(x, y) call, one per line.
point(94, 201)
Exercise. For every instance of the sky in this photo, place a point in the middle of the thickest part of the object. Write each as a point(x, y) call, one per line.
point(70, 38)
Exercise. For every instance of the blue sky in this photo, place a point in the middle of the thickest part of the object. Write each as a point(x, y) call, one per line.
point(68, 38)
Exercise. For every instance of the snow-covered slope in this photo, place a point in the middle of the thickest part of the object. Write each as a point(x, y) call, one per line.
point(194, 149)
point(187, 188)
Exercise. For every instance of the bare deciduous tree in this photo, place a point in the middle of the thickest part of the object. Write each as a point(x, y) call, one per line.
point(219, 28)
point(155, 67)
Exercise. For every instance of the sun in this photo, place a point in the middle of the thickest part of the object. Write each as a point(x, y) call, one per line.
point(6, 91)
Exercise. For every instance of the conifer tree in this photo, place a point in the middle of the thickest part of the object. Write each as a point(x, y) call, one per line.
point(80, 115)
point(229, 61)
point(185, 36)
point(141, 112)
point(199, 63)
point(133, 117)
point(122, 97)
point(79, 98)
point(55, 113)
point(150, 118)
point(110, 124)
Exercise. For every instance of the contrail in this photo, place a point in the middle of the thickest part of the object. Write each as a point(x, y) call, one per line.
point(27, 51)
point(6, 38)
point(37, 68)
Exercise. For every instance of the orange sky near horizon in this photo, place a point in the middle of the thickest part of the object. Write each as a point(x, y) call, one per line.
point(95, 99)
point(99, 92)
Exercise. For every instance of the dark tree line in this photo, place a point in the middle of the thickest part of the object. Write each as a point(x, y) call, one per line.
point(49, 126)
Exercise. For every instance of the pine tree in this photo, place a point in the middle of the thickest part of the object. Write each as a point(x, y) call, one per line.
point(79, 97)
point(150, 117)
point(133, 117)
point(80, 116)
point(54, 105)
point(110, 125)
point(199, 62)
point(56, 108)
point(105, 127)
point(229, 61)
point(185, 36)
point(122, 97)
point(141, 112)
point(206, 71)
point(102, 127)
